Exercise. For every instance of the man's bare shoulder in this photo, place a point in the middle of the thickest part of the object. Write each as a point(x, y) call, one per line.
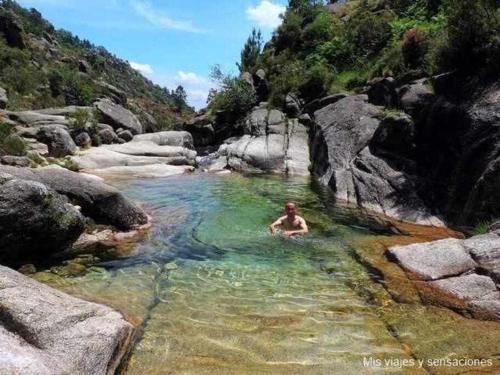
point(301, 218)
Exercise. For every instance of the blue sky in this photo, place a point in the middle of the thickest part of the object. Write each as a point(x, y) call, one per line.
point(170, 41)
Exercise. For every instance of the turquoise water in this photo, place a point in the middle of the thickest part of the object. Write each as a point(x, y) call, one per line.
point(212, 292)
point(233, 299)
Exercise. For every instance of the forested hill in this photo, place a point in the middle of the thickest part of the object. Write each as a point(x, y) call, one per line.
point(328, 47)
point(41, 66)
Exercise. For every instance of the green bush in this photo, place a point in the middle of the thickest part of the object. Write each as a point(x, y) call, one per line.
point(368, 33)
point(10, 144)
point(473, 36)
point(234, 98)
point(316, 82)
point(288, 80)
point(320, 30)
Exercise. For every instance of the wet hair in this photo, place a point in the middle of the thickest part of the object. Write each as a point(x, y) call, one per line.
point(291, 203)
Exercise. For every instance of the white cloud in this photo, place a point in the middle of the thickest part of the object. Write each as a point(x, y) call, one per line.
point(144, 69)
point(266, 14)
point(190, 78)
point(154, 17)
point(197, 87)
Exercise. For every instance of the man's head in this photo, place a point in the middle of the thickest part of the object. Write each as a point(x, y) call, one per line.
point(291, 209)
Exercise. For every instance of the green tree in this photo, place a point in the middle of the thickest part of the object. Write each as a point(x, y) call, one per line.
point(473, 35)
point(180, 97)
point(251, 51)
point(233, 99)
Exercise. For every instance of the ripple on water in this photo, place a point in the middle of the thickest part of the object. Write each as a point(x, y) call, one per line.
point(217, 294)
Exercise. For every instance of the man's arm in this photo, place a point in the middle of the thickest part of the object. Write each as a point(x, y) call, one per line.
point(273, 227)
point(303, 229)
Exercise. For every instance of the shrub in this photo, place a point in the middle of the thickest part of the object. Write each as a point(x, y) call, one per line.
point(10, 144)
point(368, 33)
point(289, 79)
point(473, 36)
point(414, 48)
point(82, 121)
point(234, 98)
point(316, 82)
point(318, 31)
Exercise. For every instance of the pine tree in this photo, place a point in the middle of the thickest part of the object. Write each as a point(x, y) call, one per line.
point(250, 51)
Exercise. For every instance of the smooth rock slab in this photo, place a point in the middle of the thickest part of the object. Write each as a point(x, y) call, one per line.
point(118, 117)
point(104, 157)
point(144, 171)
point(44, 331)
point(167, 138)
point(433, 260)
point(468, 287)
point(485, 250)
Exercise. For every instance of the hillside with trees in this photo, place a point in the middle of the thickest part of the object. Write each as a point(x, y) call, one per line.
point(41, 67)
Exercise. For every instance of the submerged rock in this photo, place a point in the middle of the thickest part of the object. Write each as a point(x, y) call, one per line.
point(34, 220)
point(44, 331)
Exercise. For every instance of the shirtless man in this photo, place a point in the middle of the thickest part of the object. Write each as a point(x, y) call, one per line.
point(292, 224)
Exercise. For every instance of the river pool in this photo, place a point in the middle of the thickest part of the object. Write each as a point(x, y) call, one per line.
point(212, 292)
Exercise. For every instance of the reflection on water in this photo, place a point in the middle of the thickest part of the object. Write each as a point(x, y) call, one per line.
point(215, 293)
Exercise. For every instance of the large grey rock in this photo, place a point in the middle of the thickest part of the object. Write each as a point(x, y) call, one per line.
point(83, 140)
point(262, 121)
point(485, 250)
point(476, 294)
point(44, 331)
point(258, 154)
point(396, 135)
point(64, 111)
point(433, 260)
point(3, 98)
point(118, 117)
point(153, 149)
point(460, 274)
point(202, 130)
point(12, 29)
point(98, 200)
point(168, 138)
point(34, 220)
point(118, 96)
point(343, 158)
point(382, 91)
point(106, 157)
point(414, 97)
point(272, 143)
point(34, 118)
point(293, 105)
point(107, 136)
point(57, 139)
point(468, 287)
point(16, 161)
point(285, 152)
point(126, 135)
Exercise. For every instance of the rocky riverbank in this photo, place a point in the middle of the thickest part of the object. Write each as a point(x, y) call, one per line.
point(44, 331)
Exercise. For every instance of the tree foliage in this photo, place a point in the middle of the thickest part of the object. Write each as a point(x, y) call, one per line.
point(233, 98)
point(250, 52)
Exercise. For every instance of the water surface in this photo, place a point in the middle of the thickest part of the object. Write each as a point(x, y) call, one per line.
point(212, 292)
